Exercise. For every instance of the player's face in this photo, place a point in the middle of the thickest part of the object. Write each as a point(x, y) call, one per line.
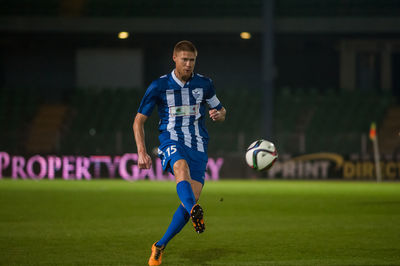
point(184, 64)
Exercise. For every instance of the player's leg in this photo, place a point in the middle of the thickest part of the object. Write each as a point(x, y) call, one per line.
point(184, 189)
point(186, 194)
point(187, 197)
point(183, 184)
point(169, 154)
point(198, 164)
point(180, 217)
point(179, 220)
point(174, 159)
point(197, 187)
point(197, 212)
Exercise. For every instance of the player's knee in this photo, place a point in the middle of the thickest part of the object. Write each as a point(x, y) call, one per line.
point(181, 171)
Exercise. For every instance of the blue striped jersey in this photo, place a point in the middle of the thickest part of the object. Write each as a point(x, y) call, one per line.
point(181, 108)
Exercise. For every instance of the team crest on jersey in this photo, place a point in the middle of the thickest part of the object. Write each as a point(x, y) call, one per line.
point(198, 94)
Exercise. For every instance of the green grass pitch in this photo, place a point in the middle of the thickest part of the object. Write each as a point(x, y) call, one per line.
point(114, 222)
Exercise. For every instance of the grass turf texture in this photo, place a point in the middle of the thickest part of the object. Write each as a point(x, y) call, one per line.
point(248, 223)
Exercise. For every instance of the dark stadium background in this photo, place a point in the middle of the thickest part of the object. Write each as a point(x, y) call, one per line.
point(312, 78)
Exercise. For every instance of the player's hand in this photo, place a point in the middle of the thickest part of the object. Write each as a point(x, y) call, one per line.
point(144, 161)
point(217, 115)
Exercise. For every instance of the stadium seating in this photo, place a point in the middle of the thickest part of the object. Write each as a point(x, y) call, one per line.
point(100, 121)
point(17, 109)
point(329, 121)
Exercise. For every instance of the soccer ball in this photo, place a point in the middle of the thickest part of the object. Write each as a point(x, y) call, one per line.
point(261, 155)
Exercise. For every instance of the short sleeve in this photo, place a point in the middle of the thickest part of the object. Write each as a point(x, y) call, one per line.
point(149, 99)
point(211, 97)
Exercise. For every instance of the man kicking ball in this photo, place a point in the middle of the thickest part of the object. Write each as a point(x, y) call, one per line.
point(181, 97)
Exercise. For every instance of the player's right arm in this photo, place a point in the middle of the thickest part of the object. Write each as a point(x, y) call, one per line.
point(144, 160)
point(146, 107)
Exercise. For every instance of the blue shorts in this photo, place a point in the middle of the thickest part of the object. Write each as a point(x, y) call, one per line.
point(171, 151)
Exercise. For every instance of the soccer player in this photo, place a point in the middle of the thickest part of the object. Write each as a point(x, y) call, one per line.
point(181, 97)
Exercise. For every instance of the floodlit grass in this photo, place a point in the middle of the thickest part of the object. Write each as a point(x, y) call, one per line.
point(248, 223)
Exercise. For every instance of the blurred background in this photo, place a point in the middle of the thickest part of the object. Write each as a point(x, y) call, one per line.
point(309, 75)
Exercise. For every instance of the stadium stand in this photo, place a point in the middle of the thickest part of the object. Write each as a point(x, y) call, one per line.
point(100, 121)
point(17, 109)
point(389, 131)
point(329, 121)
point(45, 129)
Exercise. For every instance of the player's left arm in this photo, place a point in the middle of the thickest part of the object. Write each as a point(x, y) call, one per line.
point(217, 112)
point(217, 115)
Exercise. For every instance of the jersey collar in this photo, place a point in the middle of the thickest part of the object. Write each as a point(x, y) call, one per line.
point(178, 81)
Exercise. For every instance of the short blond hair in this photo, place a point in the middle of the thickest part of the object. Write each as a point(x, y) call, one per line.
point(186, 46)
